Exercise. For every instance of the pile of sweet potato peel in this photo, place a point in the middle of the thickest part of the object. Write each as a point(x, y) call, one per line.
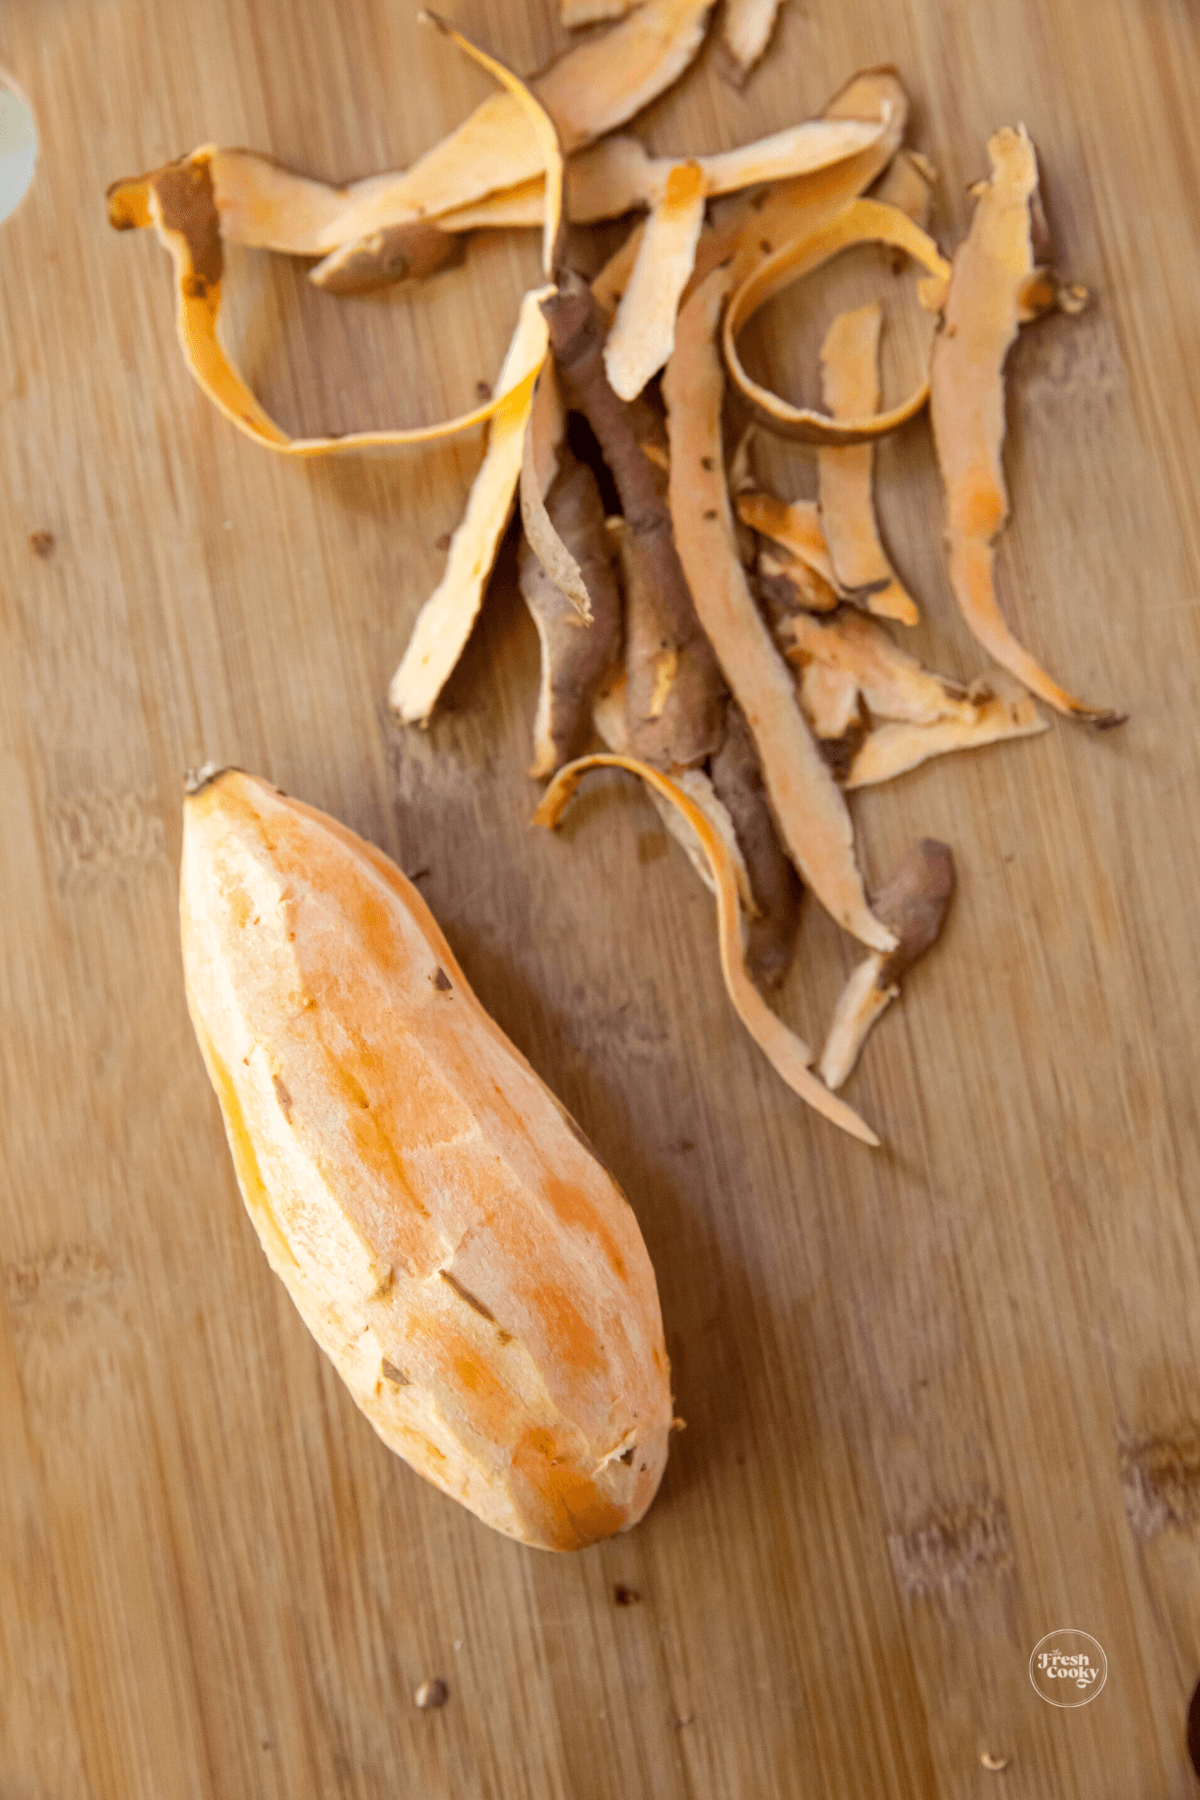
point(731, 647)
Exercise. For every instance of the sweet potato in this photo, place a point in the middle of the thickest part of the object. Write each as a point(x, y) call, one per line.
point(447, 1234)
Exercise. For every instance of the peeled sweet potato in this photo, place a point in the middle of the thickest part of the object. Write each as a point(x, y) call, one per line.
point(449, 1238)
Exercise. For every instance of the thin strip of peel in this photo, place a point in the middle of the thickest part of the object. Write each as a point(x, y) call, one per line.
point(618, 174)
point(643, 331)
point(612, 280)
point(746, 28)
point(914, 901)
point(788, 1054)
point(850, 388)
point(575, 13)
point(860, 1004)
point(544, 131)
point(507, 209)
point(539, 465)
point(984, 306)
point(756, 224)
point(793, 524)
point(892, 681)
point(810, 809)
point(862, 222)
point(894, 748)
point(611, 723)
point(444, 622)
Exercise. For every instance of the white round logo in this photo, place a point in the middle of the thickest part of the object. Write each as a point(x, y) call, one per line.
point(1068, 1668)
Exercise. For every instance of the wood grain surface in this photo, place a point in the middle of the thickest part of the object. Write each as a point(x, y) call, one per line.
point(942, 1398)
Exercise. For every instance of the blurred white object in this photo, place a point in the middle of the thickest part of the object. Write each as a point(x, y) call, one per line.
point(18, 147)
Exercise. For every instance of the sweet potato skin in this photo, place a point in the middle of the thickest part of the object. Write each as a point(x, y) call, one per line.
point(447, 1234)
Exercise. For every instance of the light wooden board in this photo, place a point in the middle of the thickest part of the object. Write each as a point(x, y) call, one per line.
point(941, 1399)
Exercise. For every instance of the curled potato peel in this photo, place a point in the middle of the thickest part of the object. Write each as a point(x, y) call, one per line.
point(861, 222)
point(788, 1054)
point(180, 202)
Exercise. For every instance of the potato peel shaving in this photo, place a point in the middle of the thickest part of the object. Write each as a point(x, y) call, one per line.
point(506, 209)
point(444, 622)
point(914, 903)
point(908, 183)
point(795, 525)
point(829, 700)
point(745, 33)
point(759, 223)
point(991, 273)
point(788, 584)
point(891, 680)
point(810, 810)
point(862, 222)
point(180, 201)
point(894, 748)
point(788, 1054)
point(575, 13)
point(643, 331)
point(774, 918)
point(850, 388)
point(618, 174)
point(539, 465)
point(609, 717)
point(575, 656)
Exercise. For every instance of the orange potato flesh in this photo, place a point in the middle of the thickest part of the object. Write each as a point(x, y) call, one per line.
point(476, 1278)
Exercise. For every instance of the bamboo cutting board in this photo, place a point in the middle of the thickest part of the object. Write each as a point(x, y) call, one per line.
point(942, 1399)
